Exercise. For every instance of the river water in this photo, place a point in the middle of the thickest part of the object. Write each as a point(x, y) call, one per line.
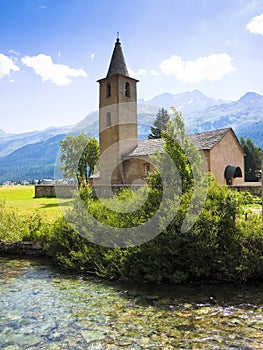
point(42, 307)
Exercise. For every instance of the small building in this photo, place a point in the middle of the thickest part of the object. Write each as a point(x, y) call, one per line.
point(125, 160)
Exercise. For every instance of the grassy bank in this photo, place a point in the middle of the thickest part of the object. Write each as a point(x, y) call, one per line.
point(21, 199)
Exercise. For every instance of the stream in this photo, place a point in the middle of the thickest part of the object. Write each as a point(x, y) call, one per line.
point(44, 307)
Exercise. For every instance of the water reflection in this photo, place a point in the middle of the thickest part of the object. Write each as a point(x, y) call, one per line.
point(42, 307)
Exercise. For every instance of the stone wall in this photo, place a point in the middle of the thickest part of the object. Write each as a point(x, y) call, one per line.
point(254, 188)
point(52, 191)
point(67, 191)
point(22, 249)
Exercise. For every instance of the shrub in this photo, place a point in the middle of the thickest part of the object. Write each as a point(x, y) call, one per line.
point(220, 246)
point(251, 241)
point(15, 227)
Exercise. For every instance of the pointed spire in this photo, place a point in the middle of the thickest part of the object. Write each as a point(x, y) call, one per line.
point(117, 64)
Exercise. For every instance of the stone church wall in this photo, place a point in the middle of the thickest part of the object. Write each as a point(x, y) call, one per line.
point(52, 191)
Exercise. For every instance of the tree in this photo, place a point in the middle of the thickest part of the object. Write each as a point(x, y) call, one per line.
point(186, 160)
point(160, 124)
point(252, 159)
point(79, 155)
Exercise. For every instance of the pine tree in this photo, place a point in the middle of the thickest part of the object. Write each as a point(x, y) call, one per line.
point(252, 159)
point(160, 124)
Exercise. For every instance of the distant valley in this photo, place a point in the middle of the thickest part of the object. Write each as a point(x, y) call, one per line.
point(32, 155)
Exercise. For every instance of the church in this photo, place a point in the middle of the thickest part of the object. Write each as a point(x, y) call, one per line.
point(125, 160)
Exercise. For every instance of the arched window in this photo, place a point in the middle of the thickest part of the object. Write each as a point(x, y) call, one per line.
point(127, 90)
point(231, 172)
point(108, 90)
point(108, 119)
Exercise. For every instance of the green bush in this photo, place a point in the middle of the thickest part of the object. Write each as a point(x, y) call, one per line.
point(68, 247)
point(251, 241)
point(15, 227)
point(220, 246)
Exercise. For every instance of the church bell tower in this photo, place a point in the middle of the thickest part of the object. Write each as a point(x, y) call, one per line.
point(117, 118)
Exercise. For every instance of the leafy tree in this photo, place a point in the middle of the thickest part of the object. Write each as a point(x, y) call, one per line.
point(185, 157)
point(79, 155)
point(160, 123)
point(89, 158)
point(252, 159)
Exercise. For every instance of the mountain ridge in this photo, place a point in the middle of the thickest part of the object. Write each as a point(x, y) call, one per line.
point(11, 142)
point(32, 161)
point(186, 102)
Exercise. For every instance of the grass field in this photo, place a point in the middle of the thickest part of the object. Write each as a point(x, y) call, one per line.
point(21, 198)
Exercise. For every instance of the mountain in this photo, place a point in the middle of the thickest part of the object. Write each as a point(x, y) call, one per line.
point(11, 142)
point(2, 133)
point(186, 102)
point(32, 155)
point(245, 116)
point(33, 161)
point(89, 125)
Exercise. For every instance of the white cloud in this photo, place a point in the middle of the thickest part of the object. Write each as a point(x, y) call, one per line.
point(256, 25)
point(212, 67)
point(14, 52)
point(7, 65)
point(58, 74)
point(154, 73)
point(92, 56)
point(139, 72)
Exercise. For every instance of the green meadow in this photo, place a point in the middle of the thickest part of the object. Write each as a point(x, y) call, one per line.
point(21, 199)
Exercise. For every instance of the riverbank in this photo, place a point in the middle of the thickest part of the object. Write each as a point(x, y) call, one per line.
point(34, 251)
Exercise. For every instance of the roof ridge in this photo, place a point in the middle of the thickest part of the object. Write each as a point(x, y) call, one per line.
point(210, 131)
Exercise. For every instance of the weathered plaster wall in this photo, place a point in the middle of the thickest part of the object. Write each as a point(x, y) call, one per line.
point(118, 136)
point(226, 152)
point(135, 169)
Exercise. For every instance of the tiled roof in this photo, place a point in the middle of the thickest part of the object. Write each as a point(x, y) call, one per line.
point(208, 139)
point(146, 147)
point(204, 140)
point(117, 64)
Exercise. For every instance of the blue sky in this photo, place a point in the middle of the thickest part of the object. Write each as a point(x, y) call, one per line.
point(52, 52)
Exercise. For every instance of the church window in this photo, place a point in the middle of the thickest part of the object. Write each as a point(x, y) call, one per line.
point(108, 90)
point(147, 169)
point(127, 90)
point(108, 119)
